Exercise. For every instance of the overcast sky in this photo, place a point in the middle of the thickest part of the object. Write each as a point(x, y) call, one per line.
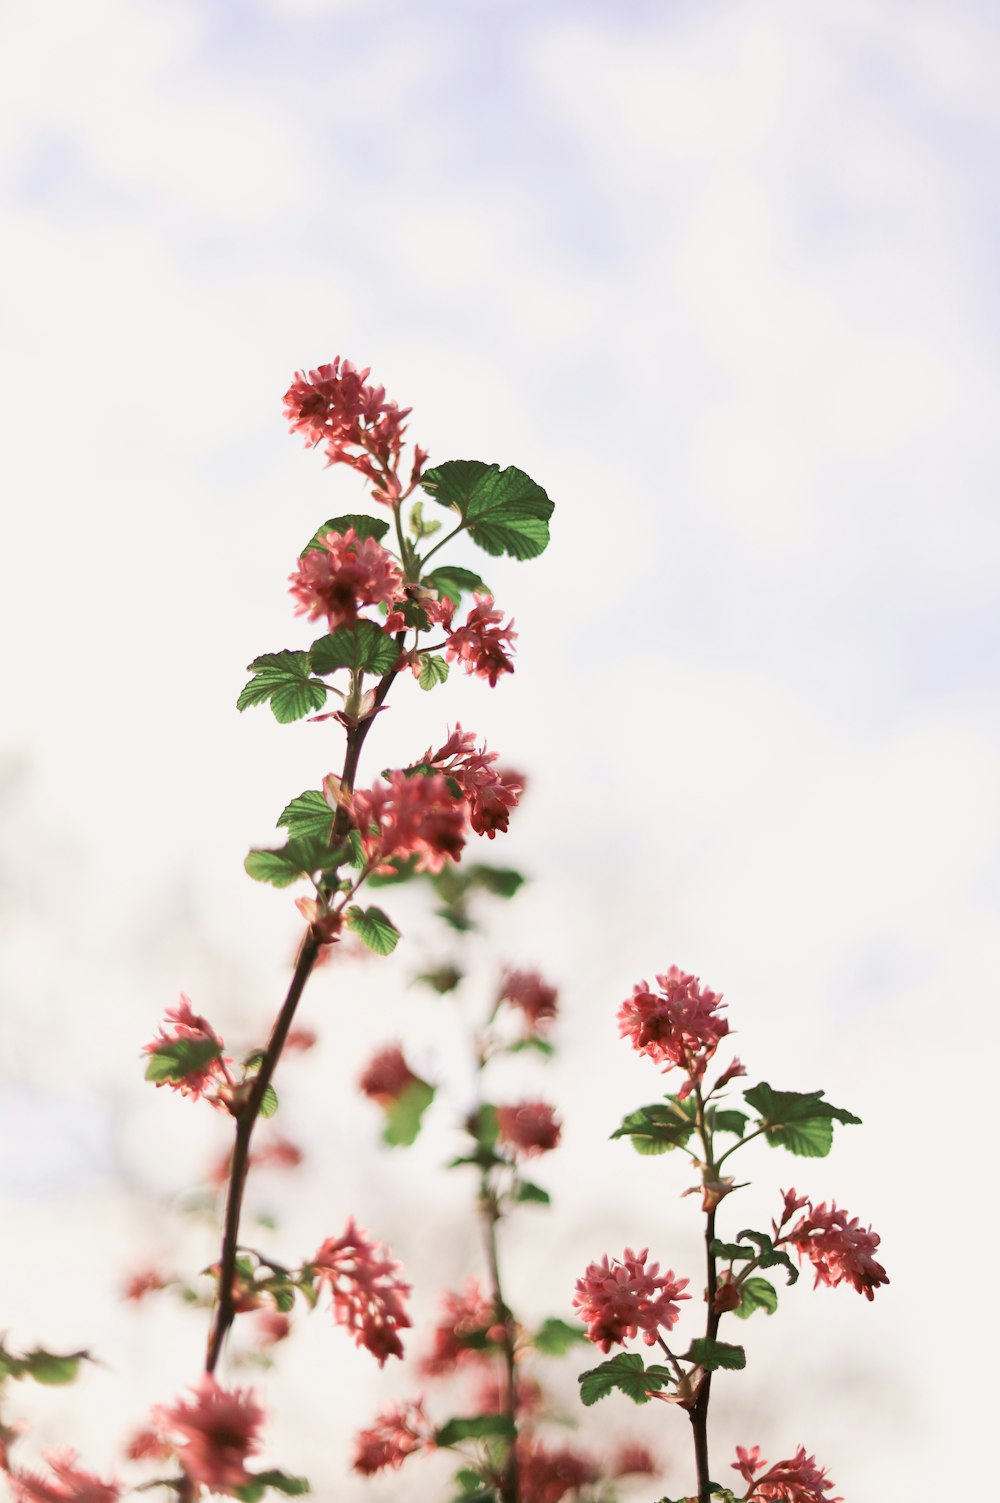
point(721, 277)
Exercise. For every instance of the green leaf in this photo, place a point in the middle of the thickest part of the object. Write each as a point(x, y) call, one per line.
point(282, 680)
point(526, 1191)
point(756, 1294)
point(627, 1373)
point(403, 1118)
point(433, 670)
point(363, 647)
point(769, 1256)
point(501, 881)
point(298, 858)
point(451, 582)
point(484, 1124)
point(474, 1427)
point(444, 979)
point(541, 1046)
point(269, 1102)
point(279, 1482)
point(50, 1369)
point(364, 527)
point(374, 927)
point(731, 1250)
point(800, 1121)
point(309, 814)
point(554, 1337)
point(715, 1354)
point(655, 1129)
point(176, 1059)
point(728, 1121)
point(504, 510)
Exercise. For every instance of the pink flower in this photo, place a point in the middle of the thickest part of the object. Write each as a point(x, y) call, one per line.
point(530, 1128)
point(67, 1485)
point(367, 1293)
point(386, 1076)
point(396, 1433)
point(279, 1153)
point(536, 1000)
point(342, 575)
point(416, 816)
point(482, 644)
point(635, 1460)
point(214, 1433)
point(301, 1039)
point(840, 1250)
point(272, 1327)
point(146, 1281)
point(335, 406)
point(491, 1395)
point(681, 1026)
point(148, 1445)
point(210, 1070)
point(799, 1480)
point(464, 1315)
point(621, 1297)
point(547, 1473)
point(491, 793)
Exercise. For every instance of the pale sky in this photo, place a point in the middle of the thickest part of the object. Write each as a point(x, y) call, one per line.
point(721, 278)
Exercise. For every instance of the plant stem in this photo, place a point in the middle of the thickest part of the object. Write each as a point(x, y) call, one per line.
point(490, 1216)
point(698, 1413)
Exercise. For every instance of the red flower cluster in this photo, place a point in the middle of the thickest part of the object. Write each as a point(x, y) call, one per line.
point(367, 1293)
point(529, 1128)
point(491, 792)
point(635, 1460)
point(396, 1433)
point(410, 816)
point(482, 645)
point(210, 1072)
point(333, 405)
point(213, 1433)
point(839, 1248)
point(681, 1026)
point(536, 1000)
point(386, 1076)
point(343, 574)
point(547, 1473)
point(466, 1314)
point(619, 1298)
point(798, 1480)
point(68, 1484)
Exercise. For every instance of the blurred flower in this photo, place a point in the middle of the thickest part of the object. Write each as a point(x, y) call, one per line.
point(466, 1317)
point(536, 1000)
point(67, 1484)
point(272, 1327)
point(146, 1281)
point(529, 1128)
point(547, 1473)
point(207, 1069)
point(410, 816)
point(621, 1297)
point(367, 1293)
point(213, 1433)
point(395, 1434)
point(386, 1075)
point(634, 1460)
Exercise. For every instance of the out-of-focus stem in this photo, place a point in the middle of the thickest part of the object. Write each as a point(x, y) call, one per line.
point(490, 1216)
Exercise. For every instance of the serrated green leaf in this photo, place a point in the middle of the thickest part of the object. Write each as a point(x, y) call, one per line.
point(374, 928)
point(364, 527)
point(291, 862)
point(474, 1427)
point(176, 1059)
point(269, 1102)
point(756, 1294)
point(628, 1374)
point(363, 647)
point(504, 511)
point(554, 1337)
point(712, 1355)
point(655, 1129)
point(309, 814)
point(501, 881)
point(769, 1256)
point(433, 670)
point(282, 680)
point(531, 1193)
point(51, 1369)
point(404, 1117)
point(451, 582)
point(800, 1121)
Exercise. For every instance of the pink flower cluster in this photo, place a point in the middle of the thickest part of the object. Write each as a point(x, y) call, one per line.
point(530, 1128)
point(386, 1076)
point(839, 1248)
point(334, 406)
point(482, 645)
point(466, 1314)
point(210, 1075)
point(798, 1480)
point(68, 1484)
point(532, 996)
point(547, 1473)
point(680, 1026)
point(410, 816)
point(620, 1297)
point(490, 791)
point(368, 1295)
point(395, 1434)
point(212, 1433)
point(342, 575)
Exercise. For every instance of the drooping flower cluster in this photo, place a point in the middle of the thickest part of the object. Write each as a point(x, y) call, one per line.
point(342, 575)
point(410, 816)
point(394, 1434)
point(680, 1026)
point(466, 1318)
point(368, 1294)
point(189, 1056)
point(67, 1484)
point(533, 997)
point(334, 405)
point(839, 1248)
point(481, 644)
point(798, 1480)
point(213, 1433)
point(529, 1128)
point(547, 1473)
point(620, 1297)
point(386, 1076)
point(490, 791)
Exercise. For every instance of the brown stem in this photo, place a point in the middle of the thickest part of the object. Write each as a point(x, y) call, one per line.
point(698, 1413)
point(491, 1215)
